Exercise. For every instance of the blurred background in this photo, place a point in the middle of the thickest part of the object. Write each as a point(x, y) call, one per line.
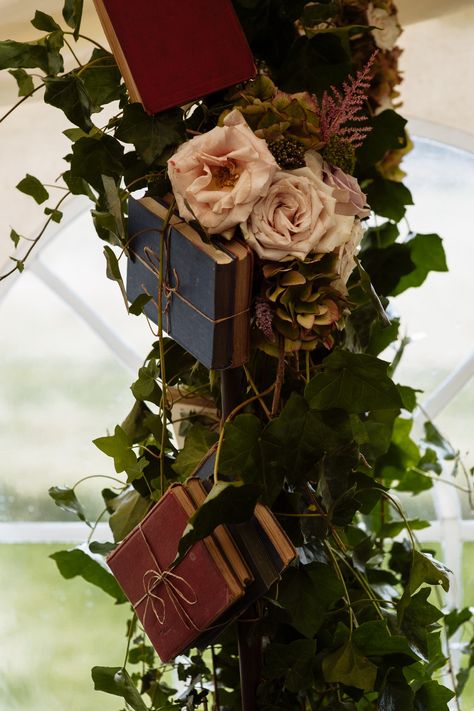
point(68, 353)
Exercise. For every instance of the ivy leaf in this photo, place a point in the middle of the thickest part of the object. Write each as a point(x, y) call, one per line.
point(433, 697)
point(77, 562)
point(418, 622)
point(151, 135)
point(15, 237)
point(375, 640)
point(426, 569)
point(456, 618)
point(24, 81)
point(197, 444)
point(427, 255)
point(69, 94)
point(72, 13)
point(101, 79)
point(114, 204)
point(26, 55)
point(348, 666)
point(45, 22)
point(118, 446)
point(117, 681)
point(95, 156)
point(293, 662)
point(227, 502)
point(308, 594)
point(240, 455)
point(66, 499)
point(102, 548)
point(317, 12)
point(33, 187)
point(137, 306)
point(387, 266)
point(396, 693)
point(354, 382)
point(388, 133)
point(314, 64)
point(145, 388)
point(434, 437)
point(388, 198)
point(128, 509)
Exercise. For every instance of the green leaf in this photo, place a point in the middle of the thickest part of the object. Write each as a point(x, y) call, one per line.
point(408, 396)
point(197, 444)
point(119, 446)
point(314, 64)
point(348, 666)
point(308, 593)
point(66, 499)
point(114, 204)
point(293, 662)
point(116, 681)
point(388, 198)
point(433, 697)
point(96, 156)
point(56, 215)
point(240, 453)
point(33, 187)
point(102, 548)
point(101, 79)
point(77, 562)
point(129, 508)
point(391, 529)
point(72, 13)
point(427, 255)
point(434, 437)
point(137, 306)
point(456, 618)
point(113, 268)
point(69, 94)
point(418, 622)
point(24, 81)
point(15, 237)
point(227, 502)
point(354, 382)
point(426, 569)
point(145, 388)
point(375, 640)
point(26, 55)
point(388, 133)
point(380, 237)
point(316, 12)
point(45, 22)
point(397, 695)
point(151, 135)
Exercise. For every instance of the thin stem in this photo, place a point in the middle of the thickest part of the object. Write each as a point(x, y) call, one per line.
point(442, 481)
point(256, 391)
point(352, 617)
point(307, 363)
point(96, 523)
point(36, 240)
point(88, 39)
point(129, 638)
point(18, 103)
point(73, 52)
point(363, 583)
point(279, 377)
point(98, 476)
point(147, 176)
point(214, 680)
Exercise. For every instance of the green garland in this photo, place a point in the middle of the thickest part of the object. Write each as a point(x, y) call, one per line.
point(322, 437)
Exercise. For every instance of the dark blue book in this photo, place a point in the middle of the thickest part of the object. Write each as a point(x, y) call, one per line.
point(206, 287)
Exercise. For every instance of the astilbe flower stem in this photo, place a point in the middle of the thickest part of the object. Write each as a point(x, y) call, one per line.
point(341, 108)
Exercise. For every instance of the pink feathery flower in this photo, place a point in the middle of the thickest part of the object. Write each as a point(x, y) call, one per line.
point(340, 108)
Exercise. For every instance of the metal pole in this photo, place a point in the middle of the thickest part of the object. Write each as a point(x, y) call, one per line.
point(249, 643)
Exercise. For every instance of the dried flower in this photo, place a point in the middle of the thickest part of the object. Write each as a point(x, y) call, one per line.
point(264, 318)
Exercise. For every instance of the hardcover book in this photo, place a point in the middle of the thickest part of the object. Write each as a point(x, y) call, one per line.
point(206, 287)
point(170, 53)
point(175, 604)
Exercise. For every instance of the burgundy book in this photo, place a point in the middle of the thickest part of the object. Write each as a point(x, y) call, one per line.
point(175, 604)
point(170, 53)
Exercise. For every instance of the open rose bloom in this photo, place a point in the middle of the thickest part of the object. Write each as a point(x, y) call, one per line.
point(218, 177)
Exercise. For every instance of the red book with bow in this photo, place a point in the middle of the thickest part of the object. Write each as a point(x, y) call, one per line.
point(170, 53)
point(175, 604)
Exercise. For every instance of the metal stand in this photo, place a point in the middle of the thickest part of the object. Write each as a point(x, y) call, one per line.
point(249, 643)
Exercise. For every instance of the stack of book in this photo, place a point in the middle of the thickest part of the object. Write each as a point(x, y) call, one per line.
point(206, 286)
point(191, 603)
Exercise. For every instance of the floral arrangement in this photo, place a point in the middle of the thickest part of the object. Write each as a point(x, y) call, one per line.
point(289, 163)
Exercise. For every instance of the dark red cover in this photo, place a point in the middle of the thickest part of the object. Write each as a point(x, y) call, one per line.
point(178, 51)
point(204, 583)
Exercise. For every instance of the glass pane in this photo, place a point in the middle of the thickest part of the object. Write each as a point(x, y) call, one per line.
point(439, 315)
point(48, 644)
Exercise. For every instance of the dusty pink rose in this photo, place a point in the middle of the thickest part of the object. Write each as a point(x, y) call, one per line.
point(350, 198)
point(294, 218)
point(221, 174)
point(387, 29)
point(346, 253)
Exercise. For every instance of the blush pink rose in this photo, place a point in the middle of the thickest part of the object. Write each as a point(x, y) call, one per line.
point(350, 198)
point(346, 257)
point(221, 174)
point(295, 217)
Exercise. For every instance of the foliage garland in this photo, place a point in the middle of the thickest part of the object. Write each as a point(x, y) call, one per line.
point(350, 626)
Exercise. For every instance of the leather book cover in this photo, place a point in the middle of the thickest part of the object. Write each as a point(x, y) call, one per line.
point(170, 53)
point(200, 285)
point(175, 605)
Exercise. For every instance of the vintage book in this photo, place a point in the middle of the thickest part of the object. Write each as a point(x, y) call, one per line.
point(222, 536)
point(206, 287)
point(177, 604)
point(170, 54)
